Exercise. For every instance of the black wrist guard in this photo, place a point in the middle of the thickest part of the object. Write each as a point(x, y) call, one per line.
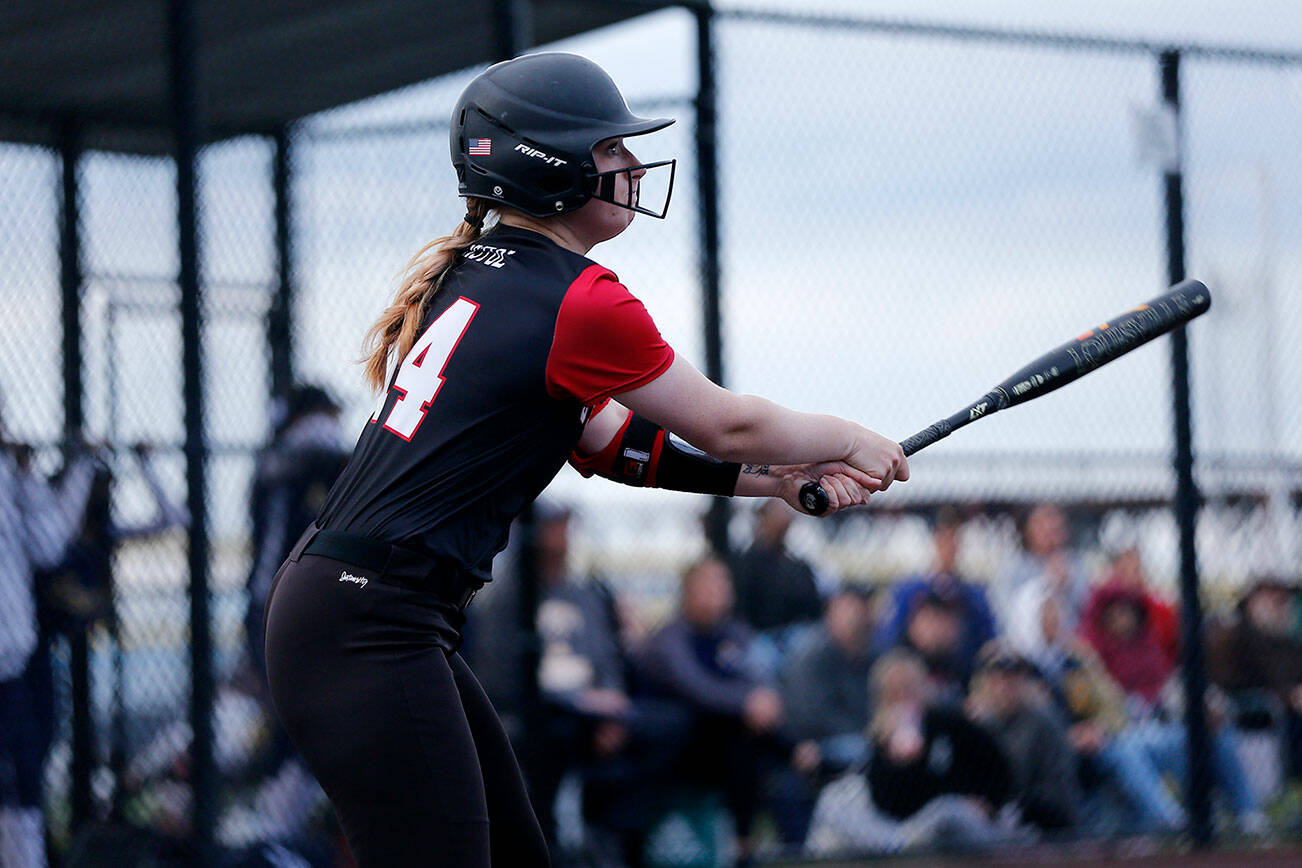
point(644, 454)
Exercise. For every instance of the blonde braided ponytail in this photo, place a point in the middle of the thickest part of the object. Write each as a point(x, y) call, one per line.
point(394, 333)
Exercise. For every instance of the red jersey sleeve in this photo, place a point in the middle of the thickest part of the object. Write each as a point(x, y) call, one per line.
point(605, 342)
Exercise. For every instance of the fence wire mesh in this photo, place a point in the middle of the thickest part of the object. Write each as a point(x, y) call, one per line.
point(906, 219)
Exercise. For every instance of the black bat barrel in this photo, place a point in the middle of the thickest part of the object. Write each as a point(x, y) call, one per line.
point(1058, 367)
point(1102, 344)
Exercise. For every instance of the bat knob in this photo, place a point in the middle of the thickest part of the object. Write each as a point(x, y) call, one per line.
point(813, 498)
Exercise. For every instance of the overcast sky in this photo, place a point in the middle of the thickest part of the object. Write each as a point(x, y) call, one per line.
point(908, 220)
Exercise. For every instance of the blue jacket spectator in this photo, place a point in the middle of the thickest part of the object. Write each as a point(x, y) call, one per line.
point(79, 590)
point(701, 659)
point(701, 656)
point(944, 583)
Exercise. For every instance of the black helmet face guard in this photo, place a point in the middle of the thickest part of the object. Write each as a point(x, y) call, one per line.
point(604, 188)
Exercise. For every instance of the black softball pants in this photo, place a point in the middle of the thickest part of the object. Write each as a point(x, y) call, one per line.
point(395, 726)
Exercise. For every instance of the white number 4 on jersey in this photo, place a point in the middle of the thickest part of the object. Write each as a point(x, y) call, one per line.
point(421, 374)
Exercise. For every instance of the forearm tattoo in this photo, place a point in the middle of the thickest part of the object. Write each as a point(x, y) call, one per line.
point(755, 469)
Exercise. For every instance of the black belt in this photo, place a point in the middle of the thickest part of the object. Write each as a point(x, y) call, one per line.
point(391, 563)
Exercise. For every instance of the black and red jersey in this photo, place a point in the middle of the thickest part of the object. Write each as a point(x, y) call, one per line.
point(521, 339)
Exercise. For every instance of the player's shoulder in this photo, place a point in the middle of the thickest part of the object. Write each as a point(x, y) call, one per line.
point(514, 248)
point(526, 267)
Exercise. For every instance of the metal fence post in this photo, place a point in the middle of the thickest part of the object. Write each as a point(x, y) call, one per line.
point(280, 319)
point(183, 66)
point(512, 28)
point(1193, 672)
point(71, 280)
point(707, 195)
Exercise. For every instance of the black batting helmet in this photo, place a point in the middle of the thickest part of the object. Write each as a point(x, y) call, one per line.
point(523, 132)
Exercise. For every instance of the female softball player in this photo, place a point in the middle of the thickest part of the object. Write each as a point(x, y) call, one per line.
point(502, 355)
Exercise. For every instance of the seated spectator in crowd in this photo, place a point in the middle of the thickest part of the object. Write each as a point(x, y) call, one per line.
point(777, 593)
point(1165, 741)
point(1037, 631)
point(581, 668)
point(968, 600)
point(1127, 571)
point(923, 750)
point(1111, 757)
point(1258, 653)
point(826, 706)
point(621, 746)
point(1118, 628)
point(701, 659)
point(935, 778)
point(823, 683)
point(1046, 559)
point(1045, 782)
point(1127, 787)
point(933, 630)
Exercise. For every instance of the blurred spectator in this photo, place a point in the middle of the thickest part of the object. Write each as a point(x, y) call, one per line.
point(271, 801)
point(79, 590)
point(1046, 560)
point(76, 596)
point(1036, 629)
point(1127, 571)
point(933, 630)
point(923, 751)
point(1258, 658)
point(1111, 757)
point(1118, 627)
point(826, 706)
point(622, 747)
point(823, 683)
point(777, 593)
point(700, 658)
point(291, 479)
point(967, 600)
point(37, 521)
point(1164, 740)
point(1043, 765)
point(581, 668)
point(935, 777)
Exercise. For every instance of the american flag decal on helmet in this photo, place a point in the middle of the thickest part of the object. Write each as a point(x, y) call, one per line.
point(481, 147)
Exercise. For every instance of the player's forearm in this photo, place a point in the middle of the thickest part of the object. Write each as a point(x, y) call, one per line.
point(758, 431)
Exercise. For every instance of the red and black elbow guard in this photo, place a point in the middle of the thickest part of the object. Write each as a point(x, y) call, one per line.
point(645, 455)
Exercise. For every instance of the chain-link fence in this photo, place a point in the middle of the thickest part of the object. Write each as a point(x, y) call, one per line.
point(908, 215)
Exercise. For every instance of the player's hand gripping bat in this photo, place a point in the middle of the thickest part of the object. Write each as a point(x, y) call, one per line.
point(1058, 367)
